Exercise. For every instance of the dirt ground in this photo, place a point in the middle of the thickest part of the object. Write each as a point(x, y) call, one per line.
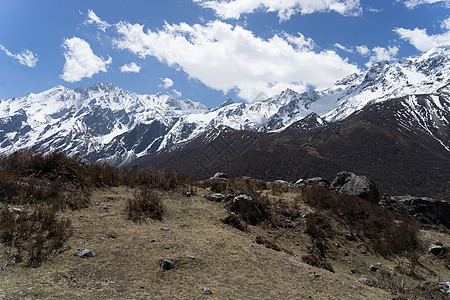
point(227, 261)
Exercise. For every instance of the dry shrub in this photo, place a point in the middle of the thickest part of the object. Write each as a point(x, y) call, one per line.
point(34, 235)
point(150, 177)
point(387, 232)
point(317, 261)
point(145, 205)
point(234, 221)
point(267, 243)
point(238, 185)
point(102, 174)
point(279, 188)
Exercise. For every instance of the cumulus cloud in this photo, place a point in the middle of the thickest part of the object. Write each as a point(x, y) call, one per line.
point(382, 54)
point(233, 9)
point(130, 68)
point(26, 57)
point(81, 62)
point(176, 93)
point(420, 39)
point(167, 83)
point(226, 57)
point(363, 50)
point(93, 19)
point(413, 3)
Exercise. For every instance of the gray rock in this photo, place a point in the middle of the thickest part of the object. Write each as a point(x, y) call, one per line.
point(165, 228)
point(105, 208)
point(355, 185)
point(167, 265)
point(168, 247)
point(220, 175)
point(346, 253)
point(350, 237)
point(301, 182)
point(151, 240)
point(80, 252)
point(217, 197)
point(363, 280)
point(317, 180)
point(373, 268)
point(314, 275)
point(247, 209)
point(206, 291)
point(14, 210)
point(445, 287)
point(188, 255)
point(437, 249)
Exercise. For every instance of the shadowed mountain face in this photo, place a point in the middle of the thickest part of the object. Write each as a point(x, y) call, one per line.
point(402, 144)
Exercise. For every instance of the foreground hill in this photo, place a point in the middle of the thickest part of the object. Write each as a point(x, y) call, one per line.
point(289, 245)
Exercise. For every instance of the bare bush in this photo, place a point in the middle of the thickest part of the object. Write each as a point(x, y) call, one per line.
point(145, 205)
point(34, 235)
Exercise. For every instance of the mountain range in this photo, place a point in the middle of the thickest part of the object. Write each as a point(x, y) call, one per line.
point(378, 122)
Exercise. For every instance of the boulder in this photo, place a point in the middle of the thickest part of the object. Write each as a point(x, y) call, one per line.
point(167, 265)
point(217, 197)
point(431, 209)
point(247, 209)
point(355, 185)
point(220, 175)
point(437, 249)
point(84, 253)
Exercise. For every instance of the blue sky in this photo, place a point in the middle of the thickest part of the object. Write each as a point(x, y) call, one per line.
point(208, 50)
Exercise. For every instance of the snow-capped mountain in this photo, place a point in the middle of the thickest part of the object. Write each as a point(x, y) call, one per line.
point(104, 122)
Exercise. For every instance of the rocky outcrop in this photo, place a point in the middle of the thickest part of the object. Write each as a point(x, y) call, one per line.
point(352, 184)
point(247, 209)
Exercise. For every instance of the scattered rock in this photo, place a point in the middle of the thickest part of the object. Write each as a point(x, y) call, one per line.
point(151, 240)
point(217, 197)
point(165, 228)
point(373, 268)
point(66, 211)
point(346, 253)
point(355, 185)
point(167, 265)
point(363, 280)
point(206, 291)
point(84, 253)
point(437, 249)
point(220, 175)
point(14, 210)
point(314, 275)
point(188, 255)
point(318, 180)
point(350, 237)
point(247, 208)
point(445, 287)
point(203, 209)
point(301, 182)
point(105, 208)
point(188, 194)
point(168, 247)
point(102, 238)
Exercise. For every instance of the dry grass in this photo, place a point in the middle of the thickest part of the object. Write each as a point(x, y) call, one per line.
point(127, 266)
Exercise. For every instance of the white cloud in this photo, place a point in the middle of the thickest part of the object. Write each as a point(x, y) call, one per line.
point(363, 50)
point(343, 48)
point(420, 39)
point(130, 68)
point(176, 93)
point(382, 54)
point(233, 9)
point(94, 19)
point(224, 57)
point(26, 57)
point(413, 3)
point(167, 83)
point(81, 62)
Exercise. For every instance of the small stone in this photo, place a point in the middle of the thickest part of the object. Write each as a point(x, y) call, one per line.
point(353, 271)
point(314, 275)
point(373, 268)
point(168, 247)
point(165, 228)
point(363, 280)
point(203, 209)
point(217, 197)
point(188, 194)
point(105, 208)
point(346, 253)
point(84, 253)
point(445, 287)
point(102, 238)
point(437, 249)
point(151, 240)
point(350, 237)
point(188, 254)
point(220, 175)
point(206, 291)
point(14, 210)
point(167, 265)
point(66, 211)
point(358, 246)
